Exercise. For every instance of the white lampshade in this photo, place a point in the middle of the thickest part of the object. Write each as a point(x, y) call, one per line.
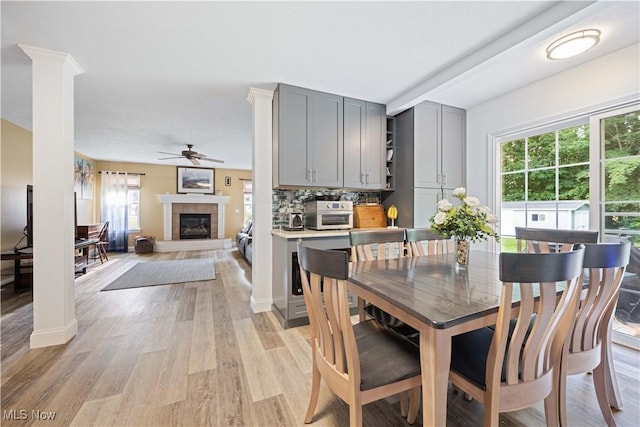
point(573, 44)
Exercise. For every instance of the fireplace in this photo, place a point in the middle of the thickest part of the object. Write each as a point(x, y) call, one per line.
point(176, 204)
point(195, 226)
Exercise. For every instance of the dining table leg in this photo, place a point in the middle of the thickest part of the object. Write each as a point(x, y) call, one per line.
point(435, 359)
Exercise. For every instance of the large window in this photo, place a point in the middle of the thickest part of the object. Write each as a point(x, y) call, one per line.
point(618, 138)
point(583, 175)
point(247, 191)
point(133, 202)
point(545, 181)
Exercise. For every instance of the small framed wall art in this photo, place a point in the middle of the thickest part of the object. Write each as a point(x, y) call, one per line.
point(196, 180)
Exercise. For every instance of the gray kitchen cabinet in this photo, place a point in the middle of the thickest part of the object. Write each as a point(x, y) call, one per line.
point(415, 205)
point(429, 160)
point(439, 145)
point(426, 133)
point(307, 138)
point(453, 143)
point(288, 300)
point(365, 128)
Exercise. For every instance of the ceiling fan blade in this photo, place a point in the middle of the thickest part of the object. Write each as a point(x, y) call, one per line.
point(194, 161)
point(169, 158)
point(172, 154)
point(211, 160)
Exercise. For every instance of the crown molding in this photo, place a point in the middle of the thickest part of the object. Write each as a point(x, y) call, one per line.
point(52, 55)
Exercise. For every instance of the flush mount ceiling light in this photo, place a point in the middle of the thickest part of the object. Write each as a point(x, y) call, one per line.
point(573, 44)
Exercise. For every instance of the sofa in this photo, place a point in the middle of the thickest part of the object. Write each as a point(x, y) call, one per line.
point(244, 241)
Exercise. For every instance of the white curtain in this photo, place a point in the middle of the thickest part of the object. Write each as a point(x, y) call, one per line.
point(113, 208)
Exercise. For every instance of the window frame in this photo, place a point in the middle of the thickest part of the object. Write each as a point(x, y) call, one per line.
point(134, 187)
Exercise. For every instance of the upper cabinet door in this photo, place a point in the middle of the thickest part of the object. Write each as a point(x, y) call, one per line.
point(454, 135)
point(326, 139)
point(376, 146)
point(291, 136)
point(354, 137)
point(427, 137)
point(364, 144)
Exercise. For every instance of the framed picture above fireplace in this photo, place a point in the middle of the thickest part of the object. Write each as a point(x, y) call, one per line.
point(196, 180)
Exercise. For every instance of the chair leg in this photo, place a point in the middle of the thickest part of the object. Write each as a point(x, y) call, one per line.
point(560, 407)
point(414, 404)
point(491, 410)
point(315, 392)
point(599, 383)
point(613, 391)
point(551, 412)
point(404, 404)
point(355, 414)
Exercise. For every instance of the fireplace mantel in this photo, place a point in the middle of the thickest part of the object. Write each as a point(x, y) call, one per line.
point(169, 199)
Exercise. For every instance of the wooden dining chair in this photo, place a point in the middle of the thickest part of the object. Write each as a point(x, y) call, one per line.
point(374, 245)
point(377, 244)
point(103, 242)
point(360, 363)
point(551, 240)
point(516, 364)
point(421, 242)
point(604, 266)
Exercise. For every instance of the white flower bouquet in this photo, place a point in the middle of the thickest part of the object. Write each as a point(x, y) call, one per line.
point(467, 221)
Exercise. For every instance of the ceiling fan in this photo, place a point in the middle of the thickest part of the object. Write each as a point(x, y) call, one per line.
point(192, 156)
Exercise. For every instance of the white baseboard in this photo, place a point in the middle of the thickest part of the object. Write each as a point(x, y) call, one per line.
point(51, 337)
point(260, 306)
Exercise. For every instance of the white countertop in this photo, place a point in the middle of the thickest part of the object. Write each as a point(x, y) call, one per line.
point(308, 233)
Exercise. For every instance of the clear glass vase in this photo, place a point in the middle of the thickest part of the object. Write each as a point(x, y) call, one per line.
point(462, 253)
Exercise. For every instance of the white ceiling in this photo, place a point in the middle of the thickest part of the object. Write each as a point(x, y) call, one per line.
point(159, 75)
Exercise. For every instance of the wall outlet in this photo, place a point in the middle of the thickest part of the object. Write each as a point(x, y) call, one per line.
point(236, 210)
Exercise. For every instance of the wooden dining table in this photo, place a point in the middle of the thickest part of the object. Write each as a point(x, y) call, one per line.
point(431, 295)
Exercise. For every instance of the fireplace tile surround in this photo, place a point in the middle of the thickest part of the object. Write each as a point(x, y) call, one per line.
point(193, 208)
point(174, 204)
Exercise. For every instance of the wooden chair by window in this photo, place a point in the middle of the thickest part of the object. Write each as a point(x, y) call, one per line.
point(514, 365)
point(103, 242)
point(360, 363)
point(551, 240)
point(605, 266)
point(421, 241)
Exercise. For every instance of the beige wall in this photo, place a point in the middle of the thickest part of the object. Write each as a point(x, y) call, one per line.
point(160, 179)
point(16, 172)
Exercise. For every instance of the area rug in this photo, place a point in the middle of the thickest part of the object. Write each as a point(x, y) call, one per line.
point(164, 273)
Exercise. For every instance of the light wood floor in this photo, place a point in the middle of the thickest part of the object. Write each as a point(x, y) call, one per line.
point(193, 354)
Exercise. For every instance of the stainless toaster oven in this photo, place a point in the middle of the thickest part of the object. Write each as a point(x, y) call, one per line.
point(328, 215)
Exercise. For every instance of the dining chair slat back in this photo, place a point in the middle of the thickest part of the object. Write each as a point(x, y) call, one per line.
point(421, 242)
point(515, 365)
point(604, 267)
point(103, 242)
point(361, 363)
point(377, 244)
point(551, 240)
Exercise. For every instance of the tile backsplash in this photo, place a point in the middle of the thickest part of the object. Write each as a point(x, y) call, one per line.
point(287, 201)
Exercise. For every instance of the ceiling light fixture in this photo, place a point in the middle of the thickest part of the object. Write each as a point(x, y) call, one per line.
point(573, 44)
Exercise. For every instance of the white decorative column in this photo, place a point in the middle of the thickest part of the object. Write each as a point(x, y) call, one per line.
point(54, 314)
point(261, 102)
